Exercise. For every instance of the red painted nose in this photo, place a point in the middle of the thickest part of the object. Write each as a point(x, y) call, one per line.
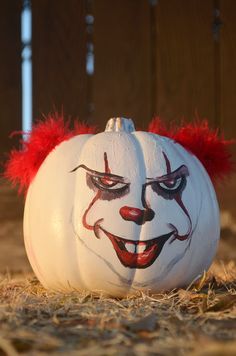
point(136, 215)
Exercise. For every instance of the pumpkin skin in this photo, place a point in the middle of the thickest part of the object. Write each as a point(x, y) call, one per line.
point(120, 211)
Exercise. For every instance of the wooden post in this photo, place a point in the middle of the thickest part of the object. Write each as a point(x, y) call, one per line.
point(10, 73)
point(185, 59)
point(122, 78)
point(228, 68)
point(227, 38)
point(59, 57)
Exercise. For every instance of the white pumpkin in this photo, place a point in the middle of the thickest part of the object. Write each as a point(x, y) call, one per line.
point(120, 211)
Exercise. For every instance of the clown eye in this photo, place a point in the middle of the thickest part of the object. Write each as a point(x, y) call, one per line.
point(108, 184)
point(172, 185)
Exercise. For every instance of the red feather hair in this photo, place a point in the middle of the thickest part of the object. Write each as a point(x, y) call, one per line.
point(24, 163)
point(205, 143)
point(198, 138)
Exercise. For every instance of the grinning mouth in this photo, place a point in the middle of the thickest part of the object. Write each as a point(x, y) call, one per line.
point(137, 254)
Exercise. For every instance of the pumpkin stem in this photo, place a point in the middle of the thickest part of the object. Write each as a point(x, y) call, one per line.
point(117, 124)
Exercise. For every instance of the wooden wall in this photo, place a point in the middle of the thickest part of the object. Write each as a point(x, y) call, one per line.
point(10, 73)
point(184, 59)
point(59, 57)
point(122, 45)
point(160, 57)
point(227, 68)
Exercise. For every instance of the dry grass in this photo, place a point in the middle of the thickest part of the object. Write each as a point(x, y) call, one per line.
point(198, 321)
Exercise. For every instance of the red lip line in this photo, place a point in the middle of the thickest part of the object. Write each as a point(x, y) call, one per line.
point(137, 242)
point(133, 259)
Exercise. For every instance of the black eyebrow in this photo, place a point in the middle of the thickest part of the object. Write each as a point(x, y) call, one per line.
point(99, 174)
point(181, 171)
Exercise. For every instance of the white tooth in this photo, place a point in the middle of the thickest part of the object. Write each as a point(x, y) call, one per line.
point(141, 248)
point(130, 247)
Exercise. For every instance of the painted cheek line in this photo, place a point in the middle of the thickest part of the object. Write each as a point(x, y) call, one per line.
point(168, 167)
point(84, 219)
point(96, 226)
point(181, 204)
point(107, 168)
point(176, 235)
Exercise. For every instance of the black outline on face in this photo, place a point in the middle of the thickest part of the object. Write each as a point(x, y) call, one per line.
point(107, 192)
point(169, 186)
point(98, 180)
point(177, 176)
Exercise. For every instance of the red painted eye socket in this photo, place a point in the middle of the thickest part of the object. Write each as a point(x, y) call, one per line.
point(107, 181)
point(169, 183)
point(109, 184)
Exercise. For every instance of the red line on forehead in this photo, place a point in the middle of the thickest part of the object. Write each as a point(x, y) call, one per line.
point(168, 167)
point(107, 168)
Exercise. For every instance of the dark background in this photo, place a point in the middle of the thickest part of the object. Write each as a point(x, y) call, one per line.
point(168, 57)
point(172, 58)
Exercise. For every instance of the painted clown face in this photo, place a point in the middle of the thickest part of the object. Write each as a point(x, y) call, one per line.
point(140, 208)
point(130, 210)
point(133, 203)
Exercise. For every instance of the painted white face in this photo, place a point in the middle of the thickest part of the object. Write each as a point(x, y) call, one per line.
point(133, 200)
point(120, 211)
